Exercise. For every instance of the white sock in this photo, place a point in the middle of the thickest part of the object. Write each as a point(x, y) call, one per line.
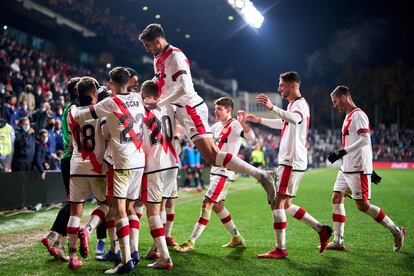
point(339, 218)
point(113, 239)
point(201, 224)
point(134, 234)
point(139, 210)
point(234, 163)
point(163, 216)
point(380, 217)
point(73, 229)
point(97, 216)
point(170, 221)
point(300, 214)
point(123, 230)
point(279, 225)
point(158, 234)
point(227, 221)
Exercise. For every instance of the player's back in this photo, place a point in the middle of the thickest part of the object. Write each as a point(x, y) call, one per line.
point(160, 145)
point(88, 145)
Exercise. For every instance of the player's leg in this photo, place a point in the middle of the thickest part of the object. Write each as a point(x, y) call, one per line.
point(168, 204)
point(225, 217)
point(139, 208)
point(134, 225)
point(324, 231)
point(101, 236)
point(114, 254)
point(379, 216)
point(169, 194)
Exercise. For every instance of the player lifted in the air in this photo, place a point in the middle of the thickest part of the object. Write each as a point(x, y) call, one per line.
point(125, 115)
point(175, 86)
point(228, 134)
point(356, 172)
point(87, 171)
point(292, 160)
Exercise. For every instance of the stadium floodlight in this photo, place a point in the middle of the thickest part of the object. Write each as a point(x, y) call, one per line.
point(108, 65)
point(248, 12)
point(5, 27)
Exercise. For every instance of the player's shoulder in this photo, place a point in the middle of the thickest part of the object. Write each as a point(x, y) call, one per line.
point(301, 102)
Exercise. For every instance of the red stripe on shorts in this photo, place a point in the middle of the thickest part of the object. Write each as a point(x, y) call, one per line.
point(203, 221)
point(159, 232)
point(364, 186)
point(99, 213)
point(144, 186)
point(338, 218)
point(198, 123)
point(284, 181)
point(279, 225)
point(226, 219)
point(299, 213)
point(219, 188)
point(381, 216)
point(123, 232)
point(134, 224)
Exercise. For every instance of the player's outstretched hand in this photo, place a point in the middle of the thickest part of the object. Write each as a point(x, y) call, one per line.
point(335, 155)
point(151, 102)
point(265, 101)
point(241, 116)
point(375, 178)
point(253, 118)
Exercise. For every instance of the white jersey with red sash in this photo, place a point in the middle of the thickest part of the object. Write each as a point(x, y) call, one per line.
point(88, 144)
point(355, 123)
point(168, 66)
point(293, 150)
point(159, 144)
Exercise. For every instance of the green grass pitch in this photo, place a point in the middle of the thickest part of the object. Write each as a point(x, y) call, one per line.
point(369, 244)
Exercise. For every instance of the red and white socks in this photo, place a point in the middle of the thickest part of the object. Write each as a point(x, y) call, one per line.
point(201, 224)
point(158, 234)
point(379, 216)
point(139, 211)
point(97, 216)
point(279, 225)
point(113, 239)
point(234, 163)
point(72, 230)
point(134, 232)
point(339, 218)
point(123, 231)
point(301, 215)
point(169, 222)
point(227, 221)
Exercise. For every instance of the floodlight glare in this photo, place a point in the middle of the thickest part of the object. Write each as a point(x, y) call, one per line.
point(248, 12)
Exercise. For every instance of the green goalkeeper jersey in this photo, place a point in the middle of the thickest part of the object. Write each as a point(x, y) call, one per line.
point(67, 153)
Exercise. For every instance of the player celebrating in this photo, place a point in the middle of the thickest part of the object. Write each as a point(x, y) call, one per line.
point(228, 134)
point(87, 172)
point(175, 86)
point(125, 114)
point(293, 161)
point(356, 171)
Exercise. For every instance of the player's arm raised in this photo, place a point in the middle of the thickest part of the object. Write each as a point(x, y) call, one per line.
point(95, 111)
point(247, 133)
point(271, 123)
point(290, 117)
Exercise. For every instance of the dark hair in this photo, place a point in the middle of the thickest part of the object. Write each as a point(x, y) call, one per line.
point(290, 76)
point(85, 86)
point(131, 71)
point(149, 88)
point(225, 101)
point(71, 86)
point(120, 76)
point(151, 32)
point(341, 90)
point(28, 88)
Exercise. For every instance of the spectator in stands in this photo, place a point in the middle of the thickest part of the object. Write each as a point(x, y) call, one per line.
point(6, 145)
point(58, 135)
point(40, 117)
point(22, 111)
point(40, 157)
point(10, 111)
point(24, 147)
point(28, 97)
point(258, 158)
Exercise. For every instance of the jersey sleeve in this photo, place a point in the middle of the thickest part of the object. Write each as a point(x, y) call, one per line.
point(300, 107)
point(179, 65)
point(361, 122)
point(104, 128)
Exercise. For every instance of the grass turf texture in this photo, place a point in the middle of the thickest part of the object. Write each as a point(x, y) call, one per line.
point(369, 244)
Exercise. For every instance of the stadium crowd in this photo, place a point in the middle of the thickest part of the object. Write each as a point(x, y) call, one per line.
point(32, 86)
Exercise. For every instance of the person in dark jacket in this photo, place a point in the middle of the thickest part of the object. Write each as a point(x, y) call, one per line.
point(39, 161)
point(24, 147)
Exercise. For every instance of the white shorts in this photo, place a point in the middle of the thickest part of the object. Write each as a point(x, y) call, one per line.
point(217, 190)
point(159, 185)
point(288, 181)
point(81, 186)
point(194, 121)
point(357, 184)
point(127, 184)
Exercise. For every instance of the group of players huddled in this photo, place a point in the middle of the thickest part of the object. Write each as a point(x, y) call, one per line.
point(122, 146)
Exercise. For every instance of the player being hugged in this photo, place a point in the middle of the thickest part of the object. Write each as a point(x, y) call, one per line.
point(175, 86)
point(228, 134)
point(292, 160)
point(356, 172)
point(87, 171)
point(124, 113)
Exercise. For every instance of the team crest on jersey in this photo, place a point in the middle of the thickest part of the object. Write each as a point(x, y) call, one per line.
point(225, 130)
